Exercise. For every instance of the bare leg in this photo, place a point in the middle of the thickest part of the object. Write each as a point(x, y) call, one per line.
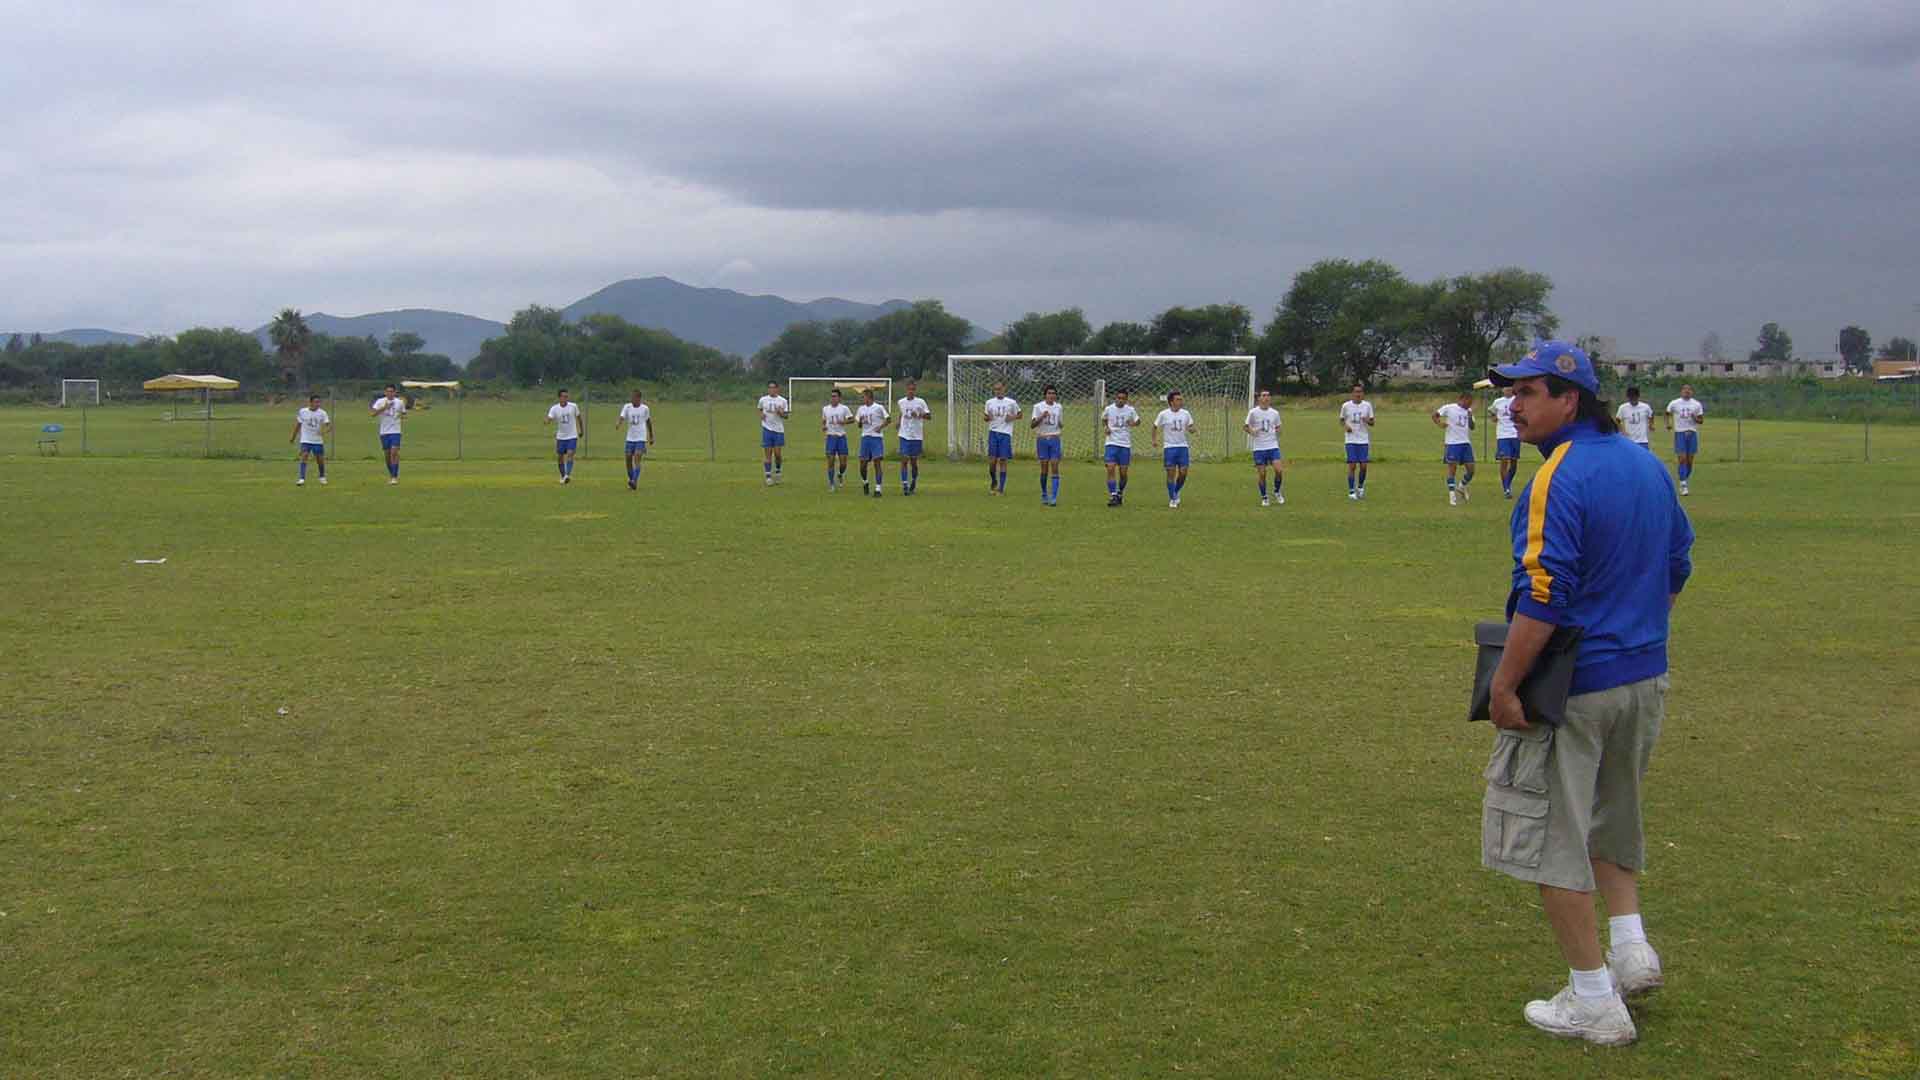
point(1574, 927)
point(1619, 887)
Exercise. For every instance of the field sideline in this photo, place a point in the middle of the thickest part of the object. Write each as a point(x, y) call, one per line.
point(715, 779)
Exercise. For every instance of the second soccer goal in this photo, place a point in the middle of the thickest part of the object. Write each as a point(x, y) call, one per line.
point(1218, 390)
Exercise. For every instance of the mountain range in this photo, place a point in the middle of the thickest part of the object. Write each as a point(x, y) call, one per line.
point(730, 321)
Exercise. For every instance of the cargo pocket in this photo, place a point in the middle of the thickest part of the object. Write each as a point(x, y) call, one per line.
point(1513, 827)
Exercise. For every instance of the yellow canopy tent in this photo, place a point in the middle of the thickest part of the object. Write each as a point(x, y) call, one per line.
point(166, 383)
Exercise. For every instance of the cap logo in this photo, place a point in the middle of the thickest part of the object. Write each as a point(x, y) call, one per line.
point(1566, 363)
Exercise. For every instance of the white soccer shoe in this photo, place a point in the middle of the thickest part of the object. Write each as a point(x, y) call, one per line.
point(769, 481)
point(1464, 494)
point(1279, 500)
point(1263, 500)
point(1453, 498)
point(1354, 495)
point(1363, 493)
point(302, 482)
point(323, 479)
point(394, 481)
point(1636, 969)
point(1173, 504)
point(1683, 487)
point(1604, 1020)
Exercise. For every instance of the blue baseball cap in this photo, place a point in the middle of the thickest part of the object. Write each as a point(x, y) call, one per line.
point(1567, 360)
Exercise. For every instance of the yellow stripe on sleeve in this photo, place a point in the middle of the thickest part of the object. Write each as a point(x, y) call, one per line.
point(1542, 582)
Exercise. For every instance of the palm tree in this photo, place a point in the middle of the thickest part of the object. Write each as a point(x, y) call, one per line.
point(290, 334)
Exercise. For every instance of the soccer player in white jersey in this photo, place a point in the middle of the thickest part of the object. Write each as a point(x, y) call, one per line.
point(914, 412)
point(1173, 427)
point(568, 426)
point(1118, 421)
point(310, 426)
point(873, 420)
point(391, 408)
point(1456, 417)
point(1506, 446)
point(773, 432)
point(834, 418)
point(1001, 411)
point(1046, 442)
point(1263, 438)
point(639, 420)
point(1636, 419)
point(1685, 414)
point(1356, 426)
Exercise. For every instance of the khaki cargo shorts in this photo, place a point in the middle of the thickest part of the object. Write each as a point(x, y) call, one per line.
point(1557, 799)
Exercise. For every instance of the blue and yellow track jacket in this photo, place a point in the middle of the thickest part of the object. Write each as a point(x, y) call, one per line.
point(1600, 542)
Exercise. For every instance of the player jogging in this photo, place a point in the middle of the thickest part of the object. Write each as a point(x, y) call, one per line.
point(391, 408)
point(1046, 442)
point(1506, 447)
point(873, 420)
point(1356, 424)
point(311, 426)
point(834, 418)
point(1685, 414)
point(1636, 419)
point(1457, 419)
point(1118, 421)
point(569, 425)
point(639, 420)
point(914, 412)
point(1263, 438)
point(773, 432)
point(1173, 426)
point(1001, 411)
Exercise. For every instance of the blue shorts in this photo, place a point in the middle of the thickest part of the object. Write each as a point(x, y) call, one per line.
point(1176, 457)
point(1460, 453)
point(1357, 452)
point(911, 447)
point(872, 447)
point(1507, 448)
point(636, 446)
point(1686, 442)
point(999, 444)
point(314, 448)
point(836, 446)
point(1047, 448)
point(1119, 455)
point(565, 446)
point(390, 442)
point(1267, 457)
point(772, 439)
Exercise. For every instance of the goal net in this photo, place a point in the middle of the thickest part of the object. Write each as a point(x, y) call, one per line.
point(817, 388)
point(1218, 390)
point(79, 392)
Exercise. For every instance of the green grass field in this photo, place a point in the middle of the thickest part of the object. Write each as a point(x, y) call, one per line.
point(482, 775)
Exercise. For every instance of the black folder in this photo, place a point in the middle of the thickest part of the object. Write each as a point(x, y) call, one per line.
point(1543, 693)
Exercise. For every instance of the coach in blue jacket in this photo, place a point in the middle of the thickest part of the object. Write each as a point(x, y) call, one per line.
point(1599, 542)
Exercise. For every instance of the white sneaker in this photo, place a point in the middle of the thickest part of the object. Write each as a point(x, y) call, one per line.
point(323, 479)
point(1173, 504)
point(1453, 498)
point(394, 480)
point(769, 481)
point(1683, 487)
point(1354, 495)
point(1464, 495)
point(302, 482)
point(1636, 969)
point(1263, 500)
point(567, 479)
point(1603, 1020)
point(1363, 493)
point(1279, 500)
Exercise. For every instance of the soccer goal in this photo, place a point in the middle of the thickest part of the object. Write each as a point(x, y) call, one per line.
point(1218, 390)
point(79, 392)
point(819, 386)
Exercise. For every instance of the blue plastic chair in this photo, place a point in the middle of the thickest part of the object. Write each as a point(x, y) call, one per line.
point(49, 440)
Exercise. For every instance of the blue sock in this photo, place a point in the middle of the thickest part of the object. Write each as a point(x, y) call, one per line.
point(903, 476)
point(1056, 488)
point(1276, 483)
point(567, 470)
point(1363, 476)
point(1263, 487)
point(394, 470)
point(322, 463)
point(1350, 482)
point(916, 474)
point(1172, 490)
point(1003, 479)
point(1449, 483)
point(1180, 485)
point(1123, 485)
point(1113, 488)
point(1686, 471)
point(303, 468)
point(767, 467)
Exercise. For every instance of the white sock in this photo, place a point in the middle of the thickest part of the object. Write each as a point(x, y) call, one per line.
point(1626, 930)
point(1597, 983)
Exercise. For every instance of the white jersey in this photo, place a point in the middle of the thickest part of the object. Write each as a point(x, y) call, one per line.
point(1459, 423)
point(1049, 417)
point(566, 419)
point(1265, 425)
point(913, 417)
point(1502, 412)
point(1000, 414)
point(1119, 420)
point(313, 426)
point(836, 417)
point(1173, 426)
point(873, 419)
point(636, 417)
point(1355, 414)
point(773, 412)
point(390, 410)
point(1686, 413)
point(1636, 420)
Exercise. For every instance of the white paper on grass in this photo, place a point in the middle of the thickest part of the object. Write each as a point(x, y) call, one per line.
point(149, 562)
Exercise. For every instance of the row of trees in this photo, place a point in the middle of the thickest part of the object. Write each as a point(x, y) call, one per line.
point(540, 345)
point(900, 343)
point(233, 353)
point(1856, 348)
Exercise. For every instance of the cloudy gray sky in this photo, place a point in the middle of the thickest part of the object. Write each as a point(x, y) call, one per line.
point(1676, 167)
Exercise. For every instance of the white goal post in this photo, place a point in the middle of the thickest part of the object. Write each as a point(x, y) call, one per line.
point(820, 386)
point(1218, 390)
point(79, 392)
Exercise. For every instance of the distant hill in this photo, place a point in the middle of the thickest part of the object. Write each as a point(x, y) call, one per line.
point(449, 333)
point(78, 337)
point(727, 320)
